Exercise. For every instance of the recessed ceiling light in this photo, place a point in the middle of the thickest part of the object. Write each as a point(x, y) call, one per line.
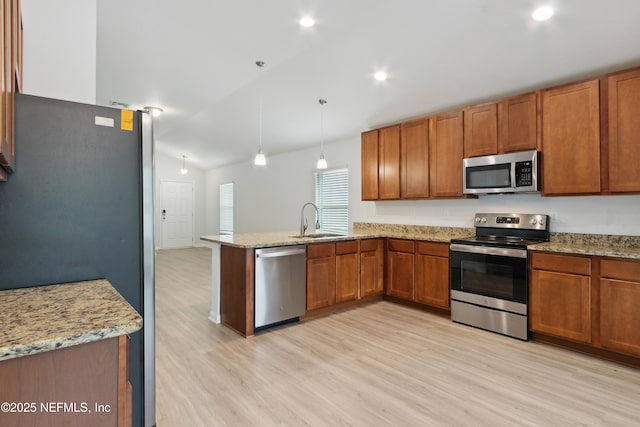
point(307, 22)
point(154, 111)
point(380, 76)
point(542, 13)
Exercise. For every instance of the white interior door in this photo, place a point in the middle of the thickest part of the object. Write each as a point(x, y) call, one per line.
point(176, 208)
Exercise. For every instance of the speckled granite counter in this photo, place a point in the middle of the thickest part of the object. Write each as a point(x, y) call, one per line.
point(38, 319)
point(592, 244)
point(360, 231)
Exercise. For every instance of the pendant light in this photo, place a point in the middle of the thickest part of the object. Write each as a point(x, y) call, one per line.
point(322, 162)
point(260, 159)
point(184, 169)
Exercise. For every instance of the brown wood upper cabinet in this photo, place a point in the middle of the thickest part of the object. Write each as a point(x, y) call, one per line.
point(414, 159)
point(624, 131)
point(502, 127)
point(481, 130)
point(389, 163)
point(445, 155)
point(571, 139)
point(381, 164)
point(369, 162)
point(11, 75)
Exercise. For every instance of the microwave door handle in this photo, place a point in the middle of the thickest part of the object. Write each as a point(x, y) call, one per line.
point(513, 175)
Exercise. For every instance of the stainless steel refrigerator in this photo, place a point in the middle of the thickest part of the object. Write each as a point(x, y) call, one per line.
point(79, 206)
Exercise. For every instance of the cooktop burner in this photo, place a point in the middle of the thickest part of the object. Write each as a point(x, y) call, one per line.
point(508, 230)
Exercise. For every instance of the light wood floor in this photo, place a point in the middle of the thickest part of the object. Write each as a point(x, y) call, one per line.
point(378, 365)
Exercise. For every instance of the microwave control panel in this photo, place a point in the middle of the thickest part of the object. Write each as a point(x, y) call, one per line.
point(524, 173)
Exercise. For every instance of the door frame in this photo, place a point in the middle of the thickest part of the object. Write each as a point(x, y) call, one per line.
point(159, 229)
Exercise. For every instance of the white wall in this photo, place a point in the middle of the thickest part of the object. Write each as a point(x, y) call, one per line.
point(168, 168)
point(270, 199)
point(60, 49)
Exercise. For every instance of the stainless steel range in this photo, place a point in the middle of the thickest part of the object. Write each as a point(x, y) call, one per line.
point(489, 272)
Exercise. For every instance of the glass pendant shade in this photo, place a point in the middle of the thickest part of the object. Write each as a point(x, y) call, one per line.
point(184, 169)
point(260, 159)
point(322, 162)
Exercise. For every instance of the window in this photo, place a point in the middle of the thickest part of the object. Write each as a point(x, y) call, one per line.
point(332, 198)
point(226, 208)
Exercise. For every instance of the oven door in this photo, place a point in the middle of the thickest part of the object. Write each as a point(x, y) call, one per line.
point(497, 273)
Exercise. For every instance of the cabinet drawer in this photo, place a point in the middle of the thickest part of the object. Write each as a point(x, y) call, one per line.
point(321, 250)
point(432, 248)
point(561, 263)
point(398, 245)
point(622, 270)
point(368, 245)
point(348, 247)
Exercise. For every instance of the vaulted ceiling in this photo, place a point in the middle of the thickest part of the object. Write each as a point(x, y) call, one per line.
point(196, 60)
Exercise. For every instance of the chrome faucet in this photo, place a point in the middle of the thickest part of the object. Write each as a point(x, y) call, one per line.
point(303, 220)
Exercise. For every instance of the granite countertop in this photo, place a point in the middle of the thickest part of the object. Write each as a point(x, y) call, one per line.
point(592, 244)
point(44, 318)
point(360, 231)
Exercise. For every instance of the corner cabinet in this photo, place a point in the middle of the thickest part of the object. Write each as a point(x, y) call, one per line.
point(571, 139)
point(12, 36)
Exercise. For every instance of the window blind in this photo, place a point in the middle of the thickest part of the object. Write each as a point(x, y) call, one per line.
point(226, 208)
point(332, 199)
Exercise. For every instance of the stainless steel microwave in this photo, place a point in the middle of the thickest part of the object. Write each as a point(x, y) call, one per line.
point(502, 173)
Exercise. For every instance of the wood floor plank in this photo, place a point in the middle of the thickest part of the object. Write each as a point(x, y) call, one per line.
point(378, 365)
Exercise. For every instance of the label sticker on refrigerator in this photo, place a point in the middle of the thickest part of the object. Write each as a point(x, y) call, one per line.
point(104, 121)
point(126, 120)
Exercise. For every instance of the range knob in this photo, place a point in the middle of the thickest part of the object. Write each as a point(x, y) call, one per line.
point(483, 220)
point(534, 221)
point(541, 222)
point(477, 220)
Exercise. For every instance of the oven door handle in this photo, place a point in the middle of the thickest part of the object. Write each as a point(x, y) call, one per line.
point(489, 250)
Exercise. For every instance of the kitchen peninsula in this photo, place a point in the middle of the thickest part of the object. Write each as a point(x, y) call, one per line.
point(66, 343)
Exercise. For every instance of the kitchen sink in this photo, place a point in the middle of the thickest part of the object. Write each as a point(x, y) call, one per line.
point(316, 235)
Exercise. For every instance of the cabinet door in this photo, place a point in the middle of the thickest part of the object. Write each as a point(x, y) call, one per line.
point(414, 165)
point(371, 267)
point(432, 280)
point(620, 316)
point(571, 139)
point(518, 120)
point(624, 130)
point(560, 305)
point(321, 282)
point(481, 130)
point(389, 163)
point(619, 302)
point(369, 160)
point(400, 274)
point(347, 277)
point(445, 155)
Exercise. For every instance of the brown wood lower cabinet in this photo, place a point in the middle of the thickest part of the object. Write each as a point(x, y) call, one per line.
point(237, 289)
point(321, 275)
point(347, 271)
point(588, 300)
point(620, 305)
point(431, 278)
point(400, 258)
point(371, 267)
point(91, 379)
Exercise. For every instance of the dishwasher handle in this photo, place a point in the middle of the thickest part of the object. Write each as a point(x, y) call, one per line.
point(284, 252)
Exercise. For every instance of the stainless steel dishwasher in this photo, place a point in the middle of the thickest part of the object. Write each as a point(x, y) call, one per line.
point(280, 285)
